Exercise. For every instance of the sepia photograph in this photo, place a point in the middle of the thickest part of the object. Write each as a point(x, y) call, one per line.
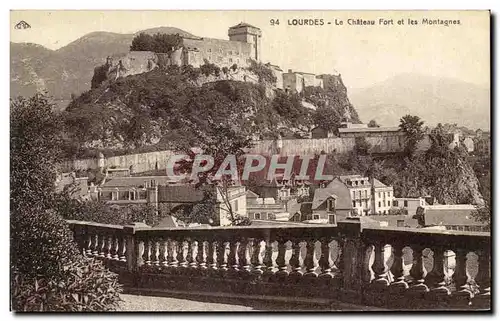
point(228, 161)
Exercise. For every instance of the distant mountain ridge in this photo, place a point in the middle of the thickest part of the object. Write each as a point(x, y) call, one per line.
point(69, 69)
point(434, 99)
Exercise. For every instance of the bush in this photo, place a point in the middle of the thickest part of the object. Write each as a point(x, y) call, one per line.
point(210, 69)
point(264, 73)
point(191, 72)
point(234, 67)
point(225, 70)
point(47, 269)
point(83, 285)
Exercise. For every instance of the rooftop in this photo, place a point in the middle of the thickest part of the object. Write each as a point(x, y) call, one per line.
point(243, 24)
point(369, 130)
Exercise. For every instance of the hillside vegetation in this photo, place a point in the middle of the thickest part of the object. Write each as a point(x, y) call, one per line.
point(160, 109)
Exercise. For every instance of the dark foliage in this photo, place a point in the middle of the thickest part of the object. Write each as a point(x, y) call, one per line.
point(44, 257)
point(264, 73)
point(159, 43)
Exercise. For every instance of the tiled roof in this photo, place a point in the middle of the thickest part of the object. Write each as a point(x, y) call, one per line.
point(243, 24)
point(443, 216)
point(321, 195)
point(135, 181)
point(369, 130)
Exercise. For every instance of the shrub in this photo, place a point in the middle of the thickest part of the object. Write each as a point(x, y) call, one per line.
point(83, 285)
point(191, 72)
point(264, 73)
point(44, 256)
point(234, 67)
point(225, 70)
point(210, 69)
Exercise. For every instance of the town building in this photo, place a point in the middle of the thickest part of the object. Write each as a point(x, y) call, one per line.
point(265, 208)
point(294, 81)
point(409, 204)
point(170, 196)
point(450, 217)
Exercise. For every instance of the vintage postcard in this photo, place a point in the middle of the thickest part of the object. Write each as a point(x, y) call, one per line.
point(250, 161)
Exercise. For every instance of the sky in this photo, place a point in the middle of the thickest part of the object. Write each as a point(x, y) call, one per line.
point(364, 55)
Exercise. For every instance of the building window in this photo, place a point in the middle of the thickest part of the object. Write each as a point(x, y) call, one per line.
point(236, 206)
point(331, 219)
point(356, 183)
point(379, 195)
point(388, 194)
point(230, 59)
point(331, 205)
point(405, 203)
point(353, 203)
point(315, 216)
point(257, 216)
point(394, 203)
point(379, 204)
point(353, 194)
point(359, 193)
point(366, 193)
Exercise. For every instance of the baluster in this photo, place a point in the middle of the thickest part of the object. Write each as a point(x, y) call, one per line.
point(483, 278)
point(244, 255)
point(435, 280)
point(222, 248)
point(418, 272)
point(95, 248)
point(211, 257)
point(164, 252)
point(88, 252)
point(123, 249)
point(102, 246)
point(147, 252)
point(310, 259)
point(201, 255)
point(156, 252)
point(460, 278)
point(380, 268)
point(116, 248)
point(324, 260)
point(338, 265)
point(268, 258)
point(172, 254)
point(397, 269)
point(295, 259)
point(257, 259)
point(193, 253)
point(109, 246)
point(280, 260)
point(233, 260)
point(183, 251)
point(140, 253)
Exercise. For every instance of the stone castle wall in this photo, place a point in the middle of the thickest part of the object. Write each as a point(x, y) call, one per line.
point(145, 162)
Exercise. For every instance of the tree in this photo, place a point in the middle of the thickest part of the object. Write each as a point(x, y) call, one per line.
point(43, 252)
point(159, 42)
point(412, 127)
point(327, 118)
point(373, 123)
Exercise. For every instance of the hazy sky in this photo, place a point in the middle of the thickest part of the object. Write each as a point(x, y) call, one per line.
point(363, 55)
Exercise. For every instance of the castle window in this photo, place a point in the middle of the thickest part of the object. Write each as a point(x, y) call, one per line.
point(379, 204)
point(257, 216)
point(315, 216)
point(230, 59)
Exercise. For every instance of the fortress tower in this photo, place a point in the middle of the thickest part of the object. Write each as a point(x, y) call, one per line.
point(244, 32)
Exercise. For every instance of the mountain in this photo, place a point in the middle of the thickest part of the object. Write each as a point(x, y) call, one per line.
point(434, 99)
point(67, 70)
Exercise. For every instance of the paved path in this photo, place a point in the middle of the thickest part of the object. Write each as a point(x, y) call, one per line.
point(172, 304)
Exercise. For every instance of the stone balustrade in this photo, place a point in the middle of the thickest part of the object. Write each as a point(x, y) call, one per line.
point(395, 268)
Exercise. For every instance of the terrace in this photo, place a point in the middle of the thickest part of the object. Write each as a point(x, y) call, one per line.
point(330, 265)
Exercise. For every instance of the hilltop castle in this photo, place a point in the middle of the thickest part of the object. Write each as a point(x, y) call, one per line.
point(244, 45)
